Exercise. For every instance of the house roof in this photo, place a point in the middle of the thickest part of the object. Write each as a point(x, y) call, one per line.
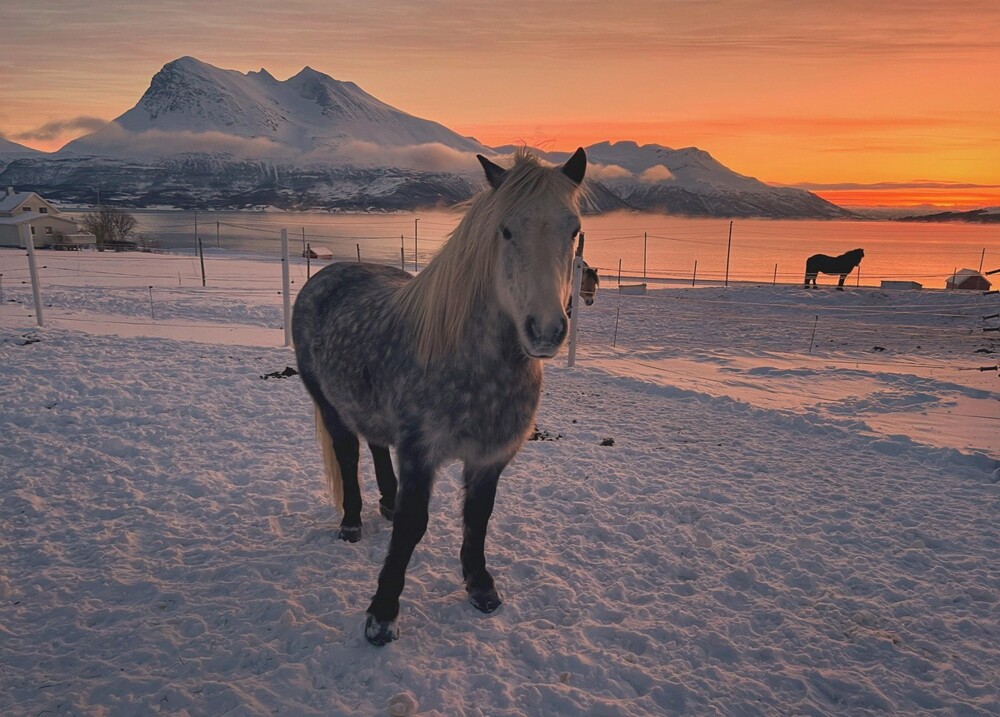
point(10, 202)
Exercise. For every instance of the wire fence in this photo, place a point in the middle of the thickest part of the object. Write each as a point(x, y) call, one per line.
point(108, 283)
point(650, 248)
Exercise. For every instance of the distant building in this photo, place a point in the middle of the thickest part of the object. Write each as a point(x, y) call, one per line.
point(904, 285)
point(967, 279)
point(318, 252)
point(48, 227)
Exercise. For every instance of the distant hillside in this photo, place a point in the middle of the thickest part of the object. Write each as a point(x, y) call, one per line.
point(989, 215)
point(12, 151)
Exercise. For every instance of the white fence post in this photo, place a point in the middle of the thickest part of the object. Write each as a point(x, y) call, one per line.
point(36, 290)
point(575, 302)
point(286, 293)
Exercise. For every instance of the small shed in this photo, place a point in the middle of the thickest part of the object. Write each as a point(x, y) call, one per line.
point(904, 285)
point(319, 252)
point(968, 279)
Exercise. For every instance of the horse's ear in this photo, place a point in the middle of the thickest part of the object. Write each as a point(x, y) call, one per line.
point(494, 173)
point(576, 166)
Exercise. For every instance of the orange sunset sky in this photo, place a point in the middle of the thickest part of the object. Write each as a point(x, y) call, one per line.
point(862, 102)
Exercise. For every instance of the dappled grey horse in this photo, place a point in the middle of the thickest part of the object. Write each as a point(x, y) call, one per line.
point(445, 365)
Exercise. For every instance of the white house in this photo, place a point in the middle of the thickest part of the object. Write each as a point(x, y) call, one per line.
point(26, 211)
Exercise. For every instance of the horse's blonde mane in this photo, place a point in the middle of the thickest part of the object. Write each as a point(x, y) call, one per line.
point(437, 305)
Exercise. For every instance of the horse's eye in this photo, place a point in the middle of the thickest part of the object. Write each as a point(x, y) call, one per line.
point(506, 232)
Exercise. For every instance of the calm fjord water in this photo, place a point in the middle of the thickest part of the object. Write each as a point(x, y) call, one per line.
point(668, 246)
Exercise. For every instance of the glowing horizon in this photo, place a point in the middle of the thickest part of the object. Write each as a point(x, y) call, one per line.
point(891, 102)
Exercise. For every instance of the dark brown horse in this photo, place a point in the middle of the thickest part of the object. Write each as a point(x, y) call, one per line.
point(588, 287)
point(589, 284)
point(843, 265)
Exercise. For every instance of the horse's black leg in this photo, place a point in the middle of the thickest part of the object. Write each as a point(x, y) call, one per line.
point(840, 284)
point(386, 478)
point(480, 492)
point(345, 448)
point(408, 527)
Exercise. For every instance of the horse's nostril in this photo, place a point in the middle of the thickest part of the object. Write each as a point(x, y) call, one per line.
point(531, 328)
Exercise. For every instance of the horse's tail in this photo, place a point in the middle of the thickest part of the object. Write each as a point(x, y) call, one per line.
point(334, 480)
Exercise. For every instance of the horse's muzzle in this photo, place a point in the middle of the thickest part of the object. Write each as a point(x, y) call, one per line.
point(543, 341)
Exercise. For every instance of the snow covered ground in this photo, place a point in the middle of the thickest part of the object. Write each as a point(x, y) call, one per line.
point(797, 515)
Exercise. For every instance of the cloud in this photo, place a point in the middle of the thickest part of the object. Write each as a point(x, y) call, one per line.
point(656, 174)
point(429, 157)
point(886, 186)
point(57, 128)
point(607, 172)
point(115, 141)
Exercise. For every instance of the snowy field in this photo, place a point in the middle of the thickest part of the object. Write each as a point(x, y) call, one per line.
point(797, 513)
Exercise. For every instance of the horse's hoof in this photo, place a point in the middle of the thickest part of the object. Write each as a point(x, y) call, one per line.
point(351, 534)
point(380, 633)
point(386, 511)
point(486, 601)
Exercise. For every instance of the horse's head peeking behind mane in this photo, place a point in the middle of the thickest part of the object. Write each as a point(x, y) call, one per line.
point(589, 284)
point(536, 221)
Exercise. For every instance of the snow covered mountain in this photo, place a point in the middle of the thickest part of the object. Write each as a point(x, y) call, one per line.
point(690, 181)
point(201, 136)
point(193, 107)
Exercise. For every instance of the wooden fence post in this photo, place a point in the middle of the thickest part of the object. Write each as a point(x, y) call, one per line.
point(575, 302)
point(286, 292)
point(36, 289)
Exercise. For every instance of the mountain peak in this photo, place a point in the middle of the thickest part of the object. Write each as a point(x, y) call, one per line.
point(308, 72)
point(262, 74)
point(186, 63)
